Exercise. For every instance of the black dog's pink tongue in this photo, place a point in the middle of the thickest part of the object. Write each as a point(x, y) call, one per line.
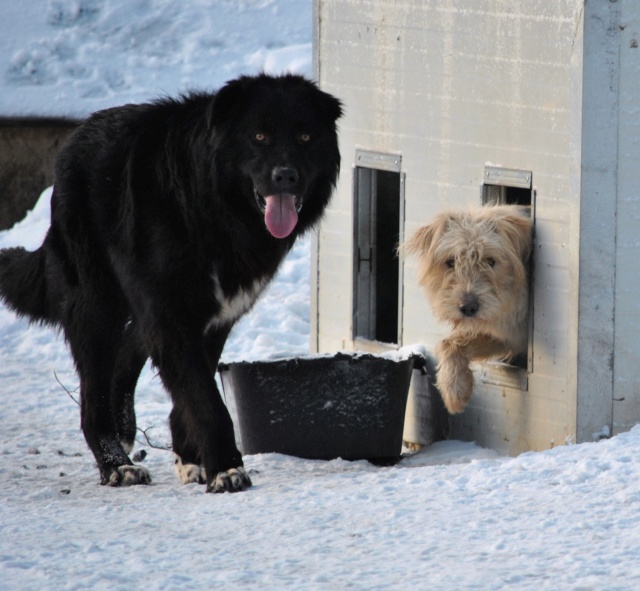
point(280, 215)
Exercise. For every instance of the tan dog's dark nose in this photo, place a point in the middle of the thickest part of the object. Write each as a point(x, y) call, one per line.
point(469, 305)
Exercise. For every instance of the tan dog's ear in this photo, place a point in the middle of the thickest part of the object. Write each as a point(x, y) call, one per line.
point(516, 228)
point(420, 242)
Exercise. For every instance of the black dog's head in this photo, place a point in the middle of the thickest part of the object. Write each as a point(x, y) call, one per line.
point(281, 132)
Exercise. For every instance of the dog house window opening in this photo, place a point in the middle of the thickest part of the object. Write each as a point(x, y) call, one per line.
point(508, 186)
point(378, 207)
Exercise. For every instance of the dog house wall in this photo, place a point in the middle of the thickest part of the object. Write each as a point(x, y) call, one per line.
point(547, 87)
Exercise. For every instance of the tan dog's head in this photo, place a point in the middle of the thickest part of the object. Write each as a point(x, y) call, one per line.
point(473, 266)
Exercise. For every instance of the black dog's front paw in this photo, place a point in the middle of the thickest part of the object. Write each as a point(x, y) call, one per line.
point(233, 480)
point(128, 476)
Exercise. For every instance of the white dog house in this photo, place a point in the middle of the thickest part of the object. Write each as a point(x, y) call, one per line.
point(452, 101)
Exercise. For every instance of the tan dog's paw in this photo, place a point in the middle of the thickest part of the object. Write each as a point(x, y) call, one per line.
point(456, 385)
point(455, 381)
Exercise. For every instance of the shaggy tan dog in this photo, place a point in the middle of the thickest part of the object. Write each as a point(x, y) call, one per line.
point(473, 265)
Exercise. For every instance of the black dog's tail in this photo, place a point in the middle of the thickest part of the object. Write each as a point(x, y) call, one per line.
point(23, 284)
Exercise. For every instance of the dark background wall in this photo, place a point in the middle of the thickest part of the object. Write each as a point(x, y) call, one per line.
point(28, 148)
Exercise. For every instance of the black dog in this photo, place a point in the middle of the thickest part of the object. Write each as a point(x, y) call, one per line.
point(168, 220)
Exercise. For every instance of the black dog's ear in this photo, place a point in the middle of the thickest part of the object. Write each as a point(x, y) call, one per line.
point(226, 102)
point(331, 106)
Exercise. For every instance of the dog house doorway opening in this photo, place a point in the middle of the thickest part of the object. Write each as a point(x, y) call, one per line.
point(378, 195)
point(509, 186)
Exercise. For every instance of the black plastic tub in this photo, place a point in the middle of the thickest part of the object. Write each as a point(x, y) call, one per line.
point(349, 406)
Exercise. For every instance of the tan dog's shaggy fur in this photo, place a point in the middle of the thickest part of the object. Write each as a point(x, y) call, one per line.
point(473, 265)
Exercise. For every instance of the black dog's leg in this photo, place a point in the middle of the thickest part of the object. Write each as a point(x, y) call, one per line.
point(201, 427)
point(94, 334)
point(129, 363)
point(230, 479)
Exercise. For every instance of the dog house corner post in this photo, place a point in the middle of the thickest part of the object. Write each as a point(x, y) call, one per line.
point(597, 222)
point(314, 308)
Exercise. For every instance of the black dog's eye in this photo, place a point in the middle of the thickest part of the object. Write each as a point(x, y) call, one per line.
point(451, 263)
point(491, 262)
point(304, 137)
point(260, 137)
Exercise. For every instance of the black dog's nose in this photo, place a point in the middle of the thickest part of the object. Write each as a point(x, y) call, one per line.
point(284, 177)
point(470, 305)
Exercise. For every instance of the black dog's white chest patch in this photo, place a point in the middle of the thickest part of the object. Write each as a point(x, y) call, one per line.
point(233, 306)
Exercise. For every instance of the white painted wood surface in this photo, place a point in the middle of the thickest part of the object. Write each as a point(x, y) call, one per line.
point(550, 87)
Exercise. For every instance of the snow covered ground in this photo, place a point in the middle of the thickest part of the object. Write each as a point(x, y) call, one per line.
point(72, 57)
point(452, 517)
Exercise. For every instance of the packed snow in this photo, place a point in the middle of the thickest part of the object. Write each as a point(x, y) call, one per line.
point(452, 517)
point(67, 58)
